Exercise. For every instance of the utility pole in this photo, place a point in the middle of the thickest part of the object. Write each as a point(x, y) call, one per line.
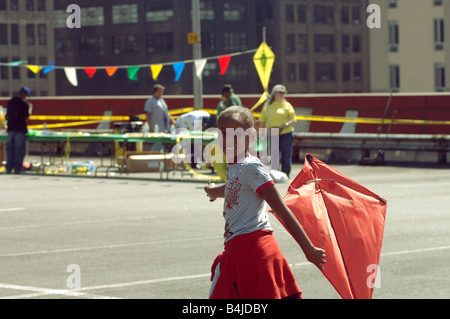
point(197, 53)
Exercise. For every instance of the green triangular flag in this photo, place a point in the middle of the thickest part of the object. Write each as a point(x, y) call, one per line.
point(132, 72)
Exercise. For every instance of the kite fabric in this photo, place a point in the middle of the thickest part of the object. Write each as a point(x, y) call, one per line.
point(343, 218)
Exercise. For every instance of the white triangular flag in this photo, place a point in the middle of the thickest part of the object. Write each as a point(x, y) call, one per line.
point(199, 66)
point(71, 74)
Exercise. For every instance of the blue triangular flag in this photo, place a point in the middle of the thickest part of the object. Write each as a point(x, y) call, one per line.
point(49, 68)
point(178, 67)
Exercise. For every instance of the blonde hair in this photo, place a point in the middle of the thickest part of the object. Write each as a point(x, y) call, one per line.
point(238, 113)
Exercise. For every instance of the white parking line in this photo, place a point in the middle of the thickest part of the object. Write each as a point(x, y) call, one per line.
point(81, 292)
point(11, 209)
point(46, 291)
point(66, 250)
point(76, 223)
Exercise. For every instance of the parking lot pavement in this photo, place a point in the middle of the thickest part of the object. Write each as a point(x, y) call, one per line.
point(146, 238)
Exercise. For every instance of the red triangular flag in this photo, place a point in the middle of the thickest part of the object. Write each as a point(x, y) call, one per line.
point(111, 70)
point(90, 71)
point(224, 61)
point(343, 218)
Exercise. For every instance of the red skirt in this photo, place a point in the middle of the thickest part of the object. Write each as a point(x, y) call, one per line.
point(252, 267)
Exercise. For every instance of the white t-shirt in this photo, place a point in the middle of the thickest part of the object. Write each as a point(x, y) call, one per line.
point(187, 120)
point(159, 114)
point(244, 209)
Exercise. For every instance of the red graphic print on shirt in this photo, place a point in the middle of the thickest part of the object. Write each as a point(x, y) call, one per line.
point(233, 193)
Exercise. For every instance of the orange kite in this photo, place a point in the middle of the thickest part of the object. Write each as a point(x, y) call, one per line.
point(343, 218)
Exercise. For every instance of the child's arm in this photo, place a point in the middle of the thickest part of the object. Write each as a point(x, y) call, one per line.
point(313, 254)
point(214, 191)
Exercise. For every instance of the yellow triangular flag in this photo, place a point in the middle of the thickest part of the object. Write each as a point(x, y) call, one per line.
point(155, 70)
point(34, 68)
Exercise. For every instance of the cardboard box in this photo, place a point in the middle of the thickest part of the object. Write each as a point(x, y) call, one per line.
point(2, 152)
point(150, 162)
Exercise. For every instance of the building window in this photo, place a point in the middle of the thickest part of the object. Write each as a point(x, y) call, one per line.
point(159, 43)
point(356, 15)
point(437, 2)
point(92, 16)
point(63, 48)
point(234, 11)
point(208, 41)
point(126, 13)
point(393, 36)
point(325, 72)
point(439, 34)
point(323, 14)
point(324, 43)
point(125, 44)
point(210, 69)
point(40, 5)
point(346, 43)
point(2, 5)
point(290, 14)
point(14, 5)
point(301, 13)
point(303, 43)
point(346, 72)
point(238, 72)
point(60, 18)
point(393, 3)
point(3, 34)
point(206, 10)
point(356, 71)
point(290, 43)
point(159, 11)
point(345, 15)
point(92, 46)
point(30, 74)
point(43, 61)
point(4, 70)
point(16, 71)
point(14, 34)
point(29, 5)
point(439, 71)
point(235, 41)
point(42, 34)
point(291, 72)
point(356, 43)
point(303, 72)
point(30, 34)
point(394, 74)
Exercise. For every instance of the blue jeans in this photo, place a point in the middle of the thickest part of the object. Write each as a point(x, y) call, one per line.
point(15, 151)
point(286, 142)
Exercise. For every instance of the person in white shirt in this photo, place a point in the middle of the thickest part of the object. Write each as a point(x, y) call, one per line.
point(157, 114)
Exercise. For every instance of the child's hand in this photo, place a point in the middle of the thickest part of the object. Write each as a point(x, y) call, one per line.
point(317, 257)
point(209, 189)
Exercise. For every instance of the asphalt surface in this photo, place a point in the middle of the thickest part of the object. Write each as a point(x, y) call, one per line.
point(84, 237)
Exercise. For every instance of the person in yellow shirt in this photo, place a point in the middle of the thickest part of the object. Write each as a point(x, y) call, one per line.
point(281, 116)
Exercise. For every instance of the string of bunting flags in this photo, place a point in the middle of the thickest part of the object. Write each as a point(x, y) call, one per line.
point(178, 67)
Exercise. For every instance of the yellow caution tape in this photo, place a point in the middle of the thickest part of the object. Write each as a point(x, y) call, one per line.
point(59, 125)
point(78, 118)
point(84, 120)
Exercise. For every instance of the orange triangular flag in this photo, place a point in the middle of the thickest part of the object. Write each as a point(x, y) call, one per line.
point(111, 70)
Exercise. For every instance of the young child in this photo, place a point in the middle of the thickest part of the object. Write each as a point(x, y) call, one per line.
point(252, 265)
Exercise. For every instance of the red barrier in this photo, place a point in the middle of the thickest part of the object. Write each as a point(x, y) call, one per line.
point(428, 107)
